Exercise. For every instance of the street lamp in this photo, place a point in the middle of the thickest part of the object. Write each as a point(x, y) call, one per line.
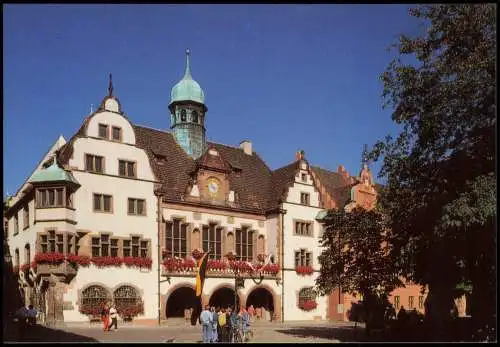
point(239, 281)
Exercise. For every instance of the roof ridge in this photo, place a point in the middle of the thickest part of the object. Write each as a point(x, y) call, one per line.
point(146, 127)
point(321, 168)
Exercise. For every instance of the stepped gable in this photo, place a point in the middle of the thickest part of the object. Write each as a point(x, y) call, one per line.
point(66, 151)
point(212, 162)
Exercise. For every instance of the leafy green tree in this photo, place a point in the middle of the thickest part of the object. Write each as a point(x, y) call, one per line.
point(355, 258)
point(440, 195)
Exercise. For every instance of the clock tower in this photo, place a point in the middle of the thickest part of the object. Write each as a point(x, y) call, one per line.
point(187, 114)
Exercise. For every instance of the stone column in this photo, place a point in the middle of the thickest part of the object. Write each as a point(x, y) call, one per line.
point(277, 308)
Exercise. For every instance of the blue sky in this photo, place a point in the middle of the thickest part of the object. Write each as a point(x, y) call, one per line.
point(285, 77)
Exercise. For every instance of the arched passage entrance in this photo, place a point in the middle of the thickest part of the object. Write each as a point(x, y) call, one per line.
point(222, 297)
point(180, 299)
point(261, 298)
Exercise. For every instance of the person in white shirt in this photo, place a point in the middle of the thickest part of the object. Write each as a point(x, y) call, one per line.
point(113, 314)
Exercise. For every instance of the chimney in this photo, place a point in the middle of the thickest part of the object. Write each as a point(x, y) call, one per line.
point(246, 146)
point(299, 155)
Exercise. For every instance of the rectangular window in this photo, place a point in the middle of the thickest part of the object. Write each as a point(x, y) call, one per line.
point(105, 245)
point(103, 203)
point(176, 238)
point(396, 302)
point(59, 197)
point(60, 243)
point(136, 207)
point(51, 197)
point(303, 177)
point(144, 249)
point(94, 163)
point(96, 247)
point(304, 198)
point(244, 244)
point(117, 134)
point(421, 302)
point(410, 302)
point(303, 258)
point(51, 241)
point(114, 247)
point(126, 248)
point(26, 216)
point(135, 246)
point(126, 168)
point(303, 228)
point(212, 239)
point(16, 224)
point(103, 131)
point(44, 243)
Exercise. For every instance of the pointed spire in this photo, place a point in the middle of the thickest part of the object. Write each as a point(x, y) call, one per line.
point(187, 73)
point(364, 156)
point(110, 86)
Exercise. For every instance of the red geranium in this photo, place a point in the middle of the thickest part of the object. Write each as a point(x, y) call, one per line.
point(33, 265)
point(178, 264)
point(129, 261)
point(107, 261)
point(75, 260)
point(271, 268)
point(49, 258)
point(91, 310)
point(307, 305)
point(241, 266)
point(304, 270)
point(215, 264)
point(130, 310)
point(25, 267)
point(143, 262)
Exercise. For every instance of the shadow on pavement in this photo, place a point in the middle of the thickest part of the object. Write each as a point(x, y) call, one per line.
point(42, 333)
point(344, 334)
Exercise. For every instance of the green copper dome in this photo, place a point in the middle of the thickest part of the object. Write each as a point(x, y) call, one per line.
point(53, 174)
point(187, 89)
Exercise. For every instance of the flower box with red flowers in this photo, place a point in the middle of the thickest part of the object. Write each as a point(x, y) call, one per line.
point(307, 305)
point(107, 261)
point(216, 265)
point(271, 269)
point(143, 262)
point(197, 254)
point(49, 258)
point(130, 310)
point(78, 260)
point(304, 270)
point(91, 310)
point(178, 265)
point(240, 266)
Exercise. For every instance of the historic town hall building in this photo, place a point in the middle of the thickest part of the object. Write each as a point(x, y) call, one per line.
point(119, 212)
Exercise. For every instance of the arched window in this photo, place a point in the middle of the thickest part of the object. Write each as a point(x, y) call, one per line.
point(194, 117)
point(176, 238)
point(126, 296)
point(306, 294)
point(212, 240)
point(183, 115)
point(93, 299)
point(244, 244)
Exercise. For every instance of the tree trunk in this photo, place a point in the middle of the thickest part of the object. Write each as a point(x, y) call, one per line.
point(438, 308)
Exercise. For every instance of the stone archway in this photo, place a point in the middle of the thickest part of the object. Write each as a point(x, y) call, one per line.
point(262, 298)
point(222, 297)
point(179, 299)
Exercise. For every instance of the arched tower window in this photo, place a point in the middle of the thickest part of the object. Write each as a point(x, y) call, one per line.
point(183, 115)
point(194, 117)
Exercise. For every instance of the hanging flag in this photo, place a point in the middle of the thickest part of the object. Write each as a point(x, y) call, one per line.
point(200, 280)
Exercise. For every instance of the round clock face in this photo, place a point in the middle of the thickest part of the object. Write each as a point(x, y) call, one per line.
point(213, 187)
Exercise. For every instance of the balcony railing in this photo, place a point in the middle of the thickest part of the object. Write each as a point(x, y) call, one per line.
point(217, 268)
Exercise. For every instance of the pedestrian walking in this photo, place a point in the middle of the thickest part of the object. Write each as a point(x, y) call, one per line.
point(251, 312)
point(105, 316)
point(206, 324)
point(215, 322)
point(113, 314)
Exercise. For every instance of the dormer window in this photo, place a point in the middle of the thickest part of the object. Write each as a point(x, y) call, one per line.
point(183, 115)
point(303, 177)
point(117, 134)
point(194, 117)
point(103, 131)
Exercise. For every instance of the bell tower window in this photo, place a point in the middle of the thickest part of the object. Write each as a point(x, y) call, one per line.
point(194, 116)
point(183, 115)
